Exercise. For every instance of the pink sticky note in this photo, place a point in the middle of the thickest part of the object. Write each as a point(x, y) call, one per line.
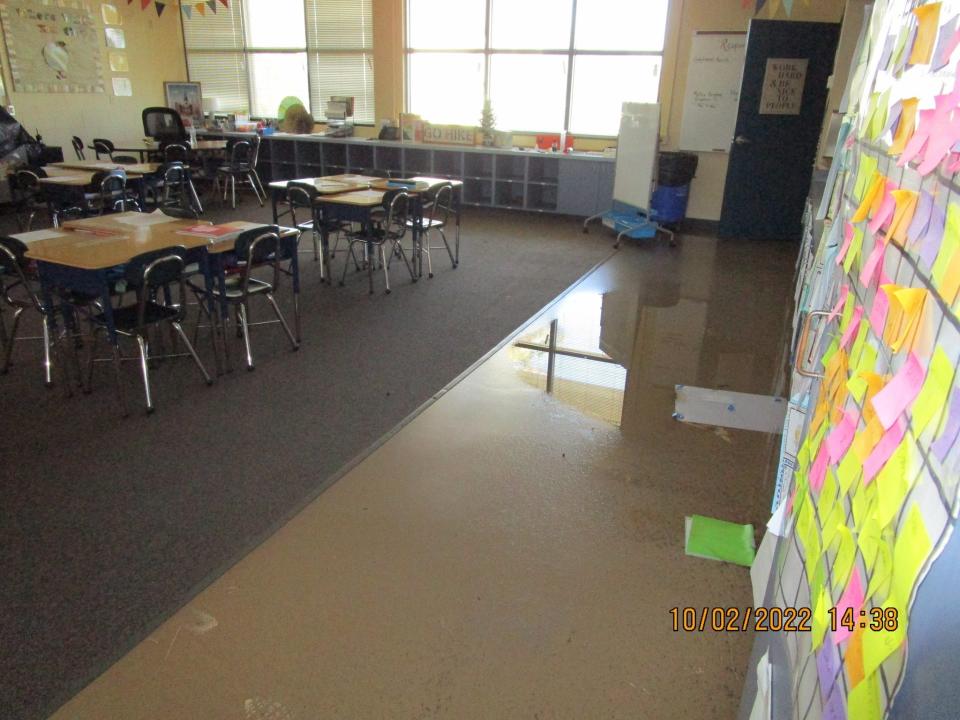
point(838, 308)
point(878, 313)
point(847, 239)
point(869, 272)
point(852, 598)
point(920, 137)
point(885, 213)
point(839, 439)
point(943, 134)
point(818, 471)
point(897, 394)
point(852, 328)
point(884, 449)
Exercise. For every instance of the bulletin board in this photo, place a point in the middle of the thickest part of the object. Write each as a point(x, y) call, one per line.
point(52, 46)
point(712, 93)
point(867, 495)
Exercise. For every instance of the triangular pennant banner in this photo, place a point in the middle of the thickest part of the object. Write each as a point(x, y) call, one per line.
point(212, 4)
point(788, 6)
point(187, 10)
point(760, 4)
point(143, 4)
point(160, 8)
point(200, 8)
point(225, 3)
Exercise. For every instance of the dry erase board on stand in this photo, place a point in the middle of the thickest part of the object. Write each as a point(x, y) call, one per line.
point(637, 154)
point(712, 93)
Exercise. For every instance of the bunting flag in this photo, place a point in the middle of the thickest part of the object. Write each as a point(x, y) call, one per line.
point(189, 6)
point(161, 6)
point(187, 10)
point(760, 4)
point(212, 4)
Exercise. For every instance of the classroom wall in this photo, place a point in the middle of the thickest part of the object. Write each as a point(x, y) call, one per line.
point(155, 53)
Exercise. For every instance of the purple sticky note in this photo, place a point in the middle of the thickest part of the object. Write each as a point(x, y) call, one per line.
point(870, 267)
point(947, 39)
point(839, 439)
point(921, 217)
point(897, 395)
point(833, 708)
point(852, 599)
point(893, 116)
point(933, 237)
point(881, 453)
point(828, 666)
point(950, 431)
point(906, 52)
point(887, 52)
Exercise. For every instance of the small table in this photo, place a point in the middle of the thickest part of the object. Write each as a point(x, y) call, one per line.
point(92, 166)
point(144, 150)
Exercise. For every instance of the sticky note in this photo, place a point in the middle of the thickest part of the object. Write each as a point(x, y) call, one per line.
point(866, 171)
point(883, 450)
point(893, 485)
point(928, 20)
point(905, 202)
point(828, 496)
point(852, 328)
point(875, 383)
point(841, 301)
point(820, 619)
point(853, 251)
point(828, 665)
point(910, 552)
point(918, 142)
point(949, 244)
point(947, 39)
point(930, 245)
point(950, 431)
point(852, 599)
point(868, 540)
point(884, 213)
point(909, 303)
point(866, 440)
point(858, 345)
point(881, 573)
point(879, 310)
point(839, 439)
point(950, 280)
point(846, 554)
point(906, 126)
point(832, 521)
point(871, 266)
point(863, 701)
point(819, 468)
point(848, 472)
point(878, 645)
point(853, 658)
point(875, 188)
point(720, 540)
point(921, 218)
point(897, 395)
point(932, 399)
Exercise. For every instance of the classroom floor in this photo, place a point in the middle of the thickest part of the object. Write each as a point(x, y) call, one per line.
point(510, 552)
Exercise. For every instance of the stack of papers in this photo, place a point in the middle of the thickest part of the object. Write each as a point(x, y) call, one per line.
point(145, 219)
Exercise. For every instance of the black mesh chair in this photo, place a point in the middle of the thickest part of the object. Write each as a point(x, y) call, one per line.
point(242, 164)
point(255, 249)
point(389, 231)
point(151, 275)
point(78, 147)
point(28, 197)
point(163, 124)
point(20, 291)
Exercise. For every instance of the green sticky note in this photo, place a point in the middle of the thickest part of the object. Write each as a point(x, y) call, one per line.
point(878, 645)
point(879, 585)
point(720, 540)
point(858, 344)
point(828, 495)
point(830, 352)
point(847, 309)
point(832, 523)
point(948, 245)
point(867, 360)
point(863, 701)
point(932, 400)
point(803, 511)
point(843, 562)
point(879, 118)
point(858, 388)
point(910, 551)
point(820, 618)
point(868, 166)
point(853, 252)
point(848, 471)
point(893, 484)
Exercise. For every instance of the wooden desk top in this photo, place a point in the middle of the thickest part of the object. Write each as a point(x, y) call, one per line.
point(200, 146)
point(358, 198)
point(104, 242)
point(324, 185)
point(68, 179)
point(423, 184)
point(95, 165)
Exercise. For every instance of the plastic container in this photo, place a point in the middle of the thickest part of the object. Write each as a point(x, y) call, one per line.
point(669, 203)
point(676, 168)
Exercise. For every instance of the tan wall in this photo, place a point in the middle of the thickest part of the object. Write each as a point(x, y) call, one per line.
point(155, 53)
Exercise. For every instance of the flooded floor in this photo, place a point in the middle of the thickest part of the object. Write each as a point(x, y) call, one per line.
point(514, 551)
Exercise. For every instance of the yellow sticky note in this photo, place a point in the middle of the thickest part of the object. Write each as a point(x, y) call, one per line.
point(831, 523)
point(869, 541)
point(906, 126)
point(867, 438)
point(820, 618)
point(828, 495)
point(905, 205)
point(910, 552)
point(909, 303)
point(843, 562)
point(853, 659)
point(863, 701)
point(856, 351)
point(948, 245)
point(893, 484)
point(879, 118)
point(830, 352)
point(853, 252)
point(950, 282)
point(848, 472)
point(878, 645)
point(876, 188)
point(881, 572)
point(928, 18)
point(932, 400)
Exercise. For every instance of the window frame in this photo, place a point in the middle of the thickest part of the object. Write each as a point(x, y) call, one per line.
point(247, 51)
point(571, 52)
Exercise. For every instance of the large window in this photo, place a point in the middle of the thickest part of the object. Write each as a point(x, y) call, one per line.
point(545, 65)
point(251, 55)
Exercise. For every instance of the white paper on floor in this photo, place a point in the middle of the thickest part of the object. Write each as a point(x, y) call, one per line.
point(743, 411)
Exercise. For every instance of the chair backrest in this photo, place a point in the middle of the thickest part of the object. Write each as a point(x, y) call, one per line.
point(442, 203)
point(254, 151)
point(258, 247)
point(163, 123)
point(14, 264)
point(113, 187)
point(300, 195)
point(125, 159)
point(78, 147)
point(180, 212)
point(241, 152)
point(175, 152)
point(397, 204)
point(27, 181)
point(102, 146)
point(156, 269)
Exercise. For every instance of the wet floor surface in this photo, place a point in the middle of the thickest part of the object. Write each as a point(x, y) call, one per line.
point(514, 550)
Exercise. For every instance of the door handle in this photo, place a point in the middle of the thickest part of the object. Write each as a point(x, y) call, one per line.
point(741, 140)
point(800, 360)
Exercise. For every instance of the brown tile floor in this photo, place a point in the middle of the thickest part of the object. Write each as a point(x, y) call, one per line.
point(510, 552)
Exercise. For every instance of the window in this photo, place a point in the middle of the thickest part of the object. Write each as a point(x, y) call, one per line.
point(253, 54)
point(545, 65)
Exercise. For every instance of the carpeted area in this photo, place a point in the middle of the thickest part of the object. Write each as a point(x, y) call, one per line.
point(108, 525)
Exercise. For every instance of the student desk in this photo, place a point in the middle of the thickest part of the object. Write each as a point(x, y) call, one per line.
point(327, 185)
point(144, 150)
point(137, 170)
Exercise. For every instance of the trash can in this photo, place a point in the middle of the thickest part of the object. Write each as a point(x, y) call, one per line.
point(675, 171)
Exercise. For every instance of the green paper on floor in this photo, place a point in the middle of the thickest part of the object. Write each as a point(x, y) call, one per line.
point(719, 540)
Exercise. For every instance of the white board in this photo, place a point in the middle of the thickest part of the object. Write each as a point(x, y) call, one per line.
point(712, 92)
point(637, 154)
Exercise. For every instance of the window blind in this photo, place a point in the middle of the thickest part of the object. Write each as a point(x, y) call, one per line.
point(215, 57)
point(340, 50)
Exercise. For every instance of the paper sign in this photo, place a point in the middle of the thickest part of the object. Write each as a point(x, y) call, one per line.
point(122, 87)
point(783, 84)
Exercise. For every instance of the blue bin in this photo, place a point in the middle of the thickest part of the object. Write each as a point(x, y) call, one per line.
point(669, 203)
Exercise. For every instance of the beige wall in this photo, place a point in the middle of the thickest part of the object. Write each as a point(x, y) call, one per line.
point(155, 53)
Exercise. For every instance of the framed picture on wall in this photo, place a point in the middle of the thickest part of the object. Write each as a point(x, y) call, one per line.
point(186, 99)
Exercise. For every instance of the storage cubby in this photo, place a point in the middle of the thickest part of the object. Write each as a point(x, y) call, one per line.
point(416, 161)
point(510, 167)
point(543, 170)
point(509, 194)
point(389, 158)
point(334, 155)
point(477, 165)
point(477, 192)
point(447, 164)
point(542, 197)
point(360, 157)
point(283, 151)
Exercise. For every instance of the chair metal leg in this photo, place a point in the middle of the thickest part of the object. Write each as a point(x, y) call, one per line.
point(425, 249)
point(295, 345)
point(386, 268)
point(296, 316)
point(443, 236)
point(118, 369)
point(245, 329)
point(91, 354)
point(346, 264)
point(47, 362)
point(11, 340)
point(256, 190)
point(233, 192)
point(193, 352)
point(145, 369)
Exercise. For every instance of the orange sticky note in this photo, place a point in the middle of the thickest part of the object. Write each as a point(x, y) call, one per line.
point(874, 191)
point(906, 126)
point(928, 20)
point(866, 439)
point(854, 657)
point(906, 204)
point(909, 303)
point(950, 284)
